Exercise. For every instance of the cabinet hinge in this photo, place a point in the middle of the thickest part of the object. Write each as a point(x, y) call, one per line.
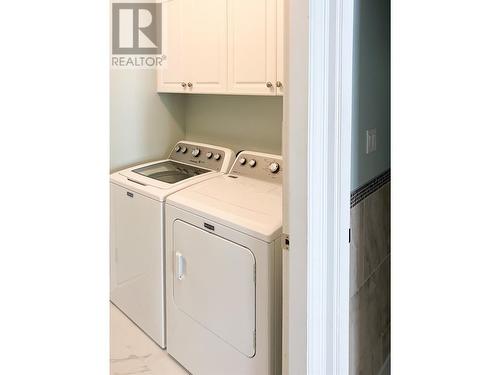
point(285, 241)
point(349, 235)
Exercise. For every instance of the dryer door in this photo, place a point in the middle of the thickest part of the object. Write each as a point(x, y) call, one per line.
point(214, 284)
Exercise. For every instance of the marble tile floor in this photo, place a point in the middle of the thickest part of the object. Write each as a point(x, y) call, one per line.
point(134, 353)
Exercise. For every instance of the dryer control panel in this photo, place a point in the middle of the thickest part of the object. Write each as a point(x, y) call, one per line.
point(202, 155)
point(258, 165)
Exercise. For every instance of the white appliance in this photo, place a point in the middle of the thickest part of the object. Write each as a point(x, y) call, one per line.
point(223, 288)
point(137, 241)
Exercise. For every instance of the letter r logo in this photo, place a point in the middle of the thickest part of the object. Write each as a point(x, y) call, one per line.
point(136, 28)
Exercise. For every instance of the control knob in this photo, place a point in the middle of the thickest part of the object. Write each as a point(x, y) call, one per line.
point(242, 161)
point(217, 156)
point(209, 155)
point(252, 163)
point(195, 152)
point(274, 167)
point(177, 148)
point(183, 150)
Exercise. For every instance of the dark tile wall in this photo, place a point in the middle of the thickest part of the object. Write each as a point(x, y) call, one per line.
point(370, 313)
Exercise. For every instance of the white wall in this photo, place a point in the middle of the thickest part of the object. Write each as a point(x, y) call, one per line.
point(144, 125)
point(237, 122)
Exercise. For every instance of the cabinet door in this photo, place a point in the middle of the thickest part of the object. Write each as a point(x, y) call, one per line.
point(252, 47)
point(174, 72)
point(207, 46)
point(280, 47)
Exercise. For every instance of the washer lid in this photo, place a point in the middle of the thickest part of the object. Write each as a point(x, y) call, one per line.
point(170, 171)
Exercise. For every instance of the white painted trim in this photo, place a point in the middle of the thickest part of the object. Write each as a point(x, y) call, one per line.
point(329, 162)
point(295, 118)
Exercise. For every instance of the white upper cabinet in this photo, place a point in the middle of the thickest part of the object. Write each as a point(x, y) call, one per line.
point(222, 47)
point(172, 76)
point(207, 51)
point(195, 46)
point(280, 47)
point(252, 47)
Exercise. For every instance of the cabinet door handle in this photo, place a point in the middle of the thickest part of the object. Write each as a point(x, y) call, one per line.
point(269, 84)
point(183, 84)
point(279, 84)
point(190, 84)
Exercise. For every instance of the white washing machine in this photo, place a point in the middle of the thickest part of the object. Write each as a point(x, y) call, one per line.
point(137, 241)
point(224, 284)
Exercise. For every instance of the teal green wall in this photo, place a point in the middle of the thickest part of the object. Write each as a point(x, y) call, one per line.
point(371, 89)
point(144, 126)
point(235, 121)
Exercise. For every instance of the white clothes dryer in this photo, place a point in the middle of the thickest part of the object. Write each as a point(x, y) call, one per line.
point(137, 240)
point(224, 283)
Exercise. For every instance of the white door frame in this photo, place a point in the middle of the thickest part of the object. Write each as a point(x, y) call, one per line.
point(329, 186)
point(317, 284)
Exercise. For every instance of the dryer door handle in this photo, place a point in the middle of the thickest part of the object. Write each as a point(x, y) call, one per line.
point(181, 265)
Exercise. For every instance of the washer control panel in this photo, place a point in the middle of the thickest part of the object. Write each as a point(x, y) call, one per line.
point(209, 157)
point(258, 165)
